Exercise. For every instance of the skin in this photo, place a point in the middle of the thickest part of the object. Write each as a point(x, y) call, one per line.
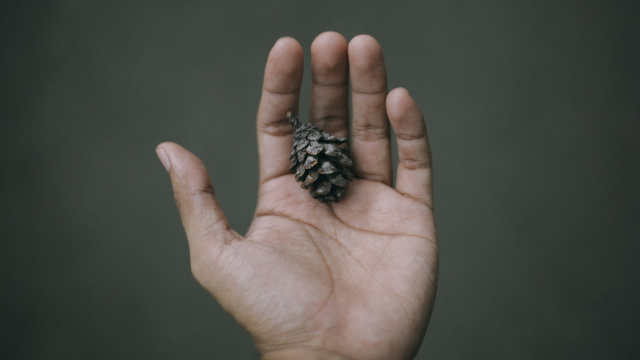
point(349, 280)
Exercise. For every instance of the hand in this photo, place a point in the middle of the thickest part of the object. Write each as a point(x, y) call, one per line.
point(348, 280)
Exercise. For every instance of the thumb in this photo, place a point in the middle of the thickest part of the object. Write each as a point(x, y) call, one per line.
point(204, 222)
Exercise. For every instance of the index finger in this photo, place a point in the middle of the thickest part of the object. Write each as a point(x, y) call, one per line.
point(280, 94)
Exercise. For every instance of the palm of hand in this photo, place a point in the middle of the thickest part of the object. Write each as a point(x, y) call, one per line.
point(354, 279)
point(346, 276)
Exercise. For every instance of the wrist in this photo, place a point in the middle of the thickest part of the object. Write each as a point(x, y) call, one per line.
point(302, 354)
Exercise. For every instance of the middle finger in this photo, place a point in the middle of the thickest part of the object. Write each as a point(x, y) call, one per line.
point(329, 108)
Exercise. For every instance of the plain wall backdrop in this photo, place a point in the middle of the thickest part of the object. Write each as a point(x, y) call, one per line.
point(533, 114)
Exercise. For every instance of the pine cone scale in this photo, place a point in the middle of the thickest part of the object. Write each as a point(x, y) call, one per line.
point(327, 168)
point(314, 148)
point(339, 180)
point(314, 135)
point(302, 144)
point(310, 162)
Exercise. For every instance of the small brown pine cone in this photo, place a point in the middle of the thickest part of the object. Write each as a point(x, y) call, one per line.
point(319, 164)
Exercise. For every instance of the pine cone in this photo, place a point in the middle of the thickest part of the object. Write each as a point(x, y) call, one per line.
point(319, 163)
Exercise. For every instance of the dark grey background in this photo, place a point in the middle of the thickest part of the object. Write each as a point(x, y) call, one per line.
point(532, 109)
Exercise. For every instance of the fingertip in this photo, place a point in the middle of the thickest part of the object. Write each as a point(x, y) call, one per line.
point(329, 58)
point(332, 38)
point(164, 157)
point(401, 105)
point(399, 90)
point(397, 95)
point(288, 45)
point(283, 72)
point(364, 45)
point(169, 147)
point(173, 152)
point(366, 65)
point(363, 40)
point(186, 169)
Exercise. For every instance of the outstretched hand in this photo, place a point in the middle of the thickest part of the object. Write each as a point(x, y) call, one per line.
point(348, 280)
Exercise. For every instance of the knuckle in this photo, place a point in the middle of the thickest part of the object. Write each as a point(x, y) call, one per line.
point(282, 91)
point(279, 127)
point(329, 121)
point(420, 135)
point(183, 197)
point(414, 164)
point(370, 132)
point(179, 199)
point(207, 189)
point(330, 84)
point(372, 176)
point(378, 90)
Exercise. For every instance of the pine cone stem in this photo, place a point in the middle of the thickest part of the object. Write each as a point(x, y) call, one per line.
point(293, 120)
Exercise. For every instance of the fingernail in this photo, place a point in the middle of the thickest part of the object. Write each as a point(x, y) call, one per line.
point(164, 158)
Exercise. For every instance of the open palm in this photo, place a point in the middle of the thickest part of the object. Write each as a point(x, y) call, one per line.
point(354, 279)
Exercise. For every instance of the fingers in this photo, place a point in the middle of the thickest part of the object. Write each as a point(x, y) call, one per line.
point(329, 108)
point(414, 155)
point(371, 147)
point(280, 94)
point(204, 222)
